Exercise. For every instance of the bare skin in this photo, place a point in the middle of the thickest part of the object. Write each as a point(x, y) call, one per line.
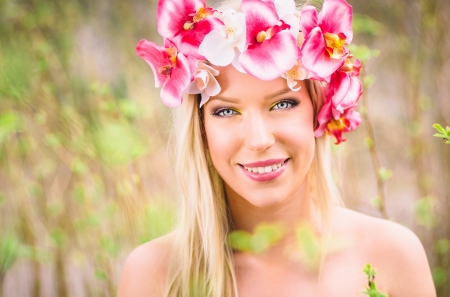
point(245, 125)
point(398, 255)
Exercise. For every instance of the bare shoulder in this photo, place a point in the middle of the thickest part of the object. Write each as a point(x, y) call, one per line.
point(145, 269)
point(394, 249)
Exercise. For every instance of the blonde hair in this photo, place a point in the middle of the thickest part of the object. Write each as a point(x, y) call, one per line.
point(202, 261)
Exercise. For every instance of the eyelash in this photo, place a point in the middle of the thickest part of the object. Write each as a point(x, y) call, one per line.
point(293, 103)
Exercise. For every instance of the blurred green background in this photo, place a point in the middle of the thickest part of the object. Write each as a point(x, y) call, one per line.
point(86, 145)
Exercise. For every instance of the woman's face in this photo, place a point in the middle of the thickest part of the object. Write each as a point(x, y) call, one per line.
point(260, 137)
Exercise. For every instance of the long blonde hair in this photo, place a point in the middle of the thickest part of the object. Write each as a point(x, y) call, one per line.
point(202, 261)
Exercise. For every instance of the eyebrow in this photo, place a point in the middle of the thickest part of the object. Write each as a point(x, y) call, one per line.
point(236, 100)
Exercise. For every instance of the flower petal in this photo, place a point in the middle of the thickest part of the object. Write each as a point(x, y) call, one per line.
point(293, 22)
point(217, 49)
point(284, 7)
point(270, 59)
point(336, 17)
point(259, 16)
point(188, 41)
point(155, 56)
point(314, 56)
point(171, 92)
point(323, 118)
point(352, 95)
point(308, 19)
point(173, 14)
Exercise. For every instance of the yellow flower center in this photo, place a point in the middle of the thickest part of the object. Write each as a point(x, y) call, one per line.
point(167, 69)
point(348, 66)
point(335, 45)
point(202, 13)
point(261, 36)
point(337, 125)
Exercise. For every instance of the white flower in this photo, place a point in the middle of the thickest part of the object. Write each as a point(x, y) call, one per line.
point(204, 82)
point(296, 73)
point(219, 45)
point(286, 13)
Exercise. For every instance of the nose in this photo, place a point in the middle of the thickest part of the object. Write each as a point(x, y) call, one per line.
point(258, 134)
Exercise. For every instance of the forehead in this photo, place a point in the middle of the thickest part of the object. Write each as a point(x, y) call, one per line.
point(236, 84)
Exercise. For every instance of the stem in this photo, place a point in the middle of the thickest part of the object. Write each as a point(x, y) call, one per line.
point(373, 153)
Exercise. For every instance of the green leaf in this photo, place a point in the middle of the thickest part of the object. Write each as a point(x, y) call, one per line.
point(368, 81)
point(368, 142)
point(424, 211)
point(442, 246)
point(384, 173)
point(240, 240)
point(439, 276)
point(439, 128)
point(263, 237)
point(440, 135)
point(10, 122)
point(9, 251)
point(376, 202)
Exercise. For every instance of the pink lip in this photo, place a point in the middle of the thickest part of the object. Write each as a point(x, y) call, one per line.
point(264, 177)
point(264, 163)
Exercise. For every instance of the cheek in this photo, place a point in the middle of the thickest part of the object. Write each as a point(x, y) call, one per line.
point(221, 143)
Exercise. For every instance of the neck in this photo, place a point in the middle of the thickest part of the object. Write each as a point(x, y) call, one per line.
point(291, 213)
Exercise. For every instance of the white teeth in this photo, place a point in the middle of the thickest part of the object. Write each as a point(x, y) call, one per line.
point(266, 169)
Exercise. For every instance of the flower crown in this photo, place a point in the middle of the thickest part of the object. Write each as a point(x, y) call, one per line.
point(266, 39)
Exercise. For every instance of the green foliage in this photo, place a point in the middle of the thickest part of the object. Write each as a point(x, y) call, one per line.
point(9, 251)
point(10, 122)
point(439, 276)
point(363, 52)
point(442, 246)
point(424, 211)
point(443, 133)
point(384, 173)
point(367, 25)
point(309, 246)
point(371, 289)
point(118, 143)
point(264, 236)
point(158, 218)
point(377, 202)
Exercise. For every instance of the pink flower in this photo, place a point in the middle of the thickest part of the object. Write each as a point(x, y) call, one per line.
point(272, 48)
point(338, 114)
point(170, 69)
point(186, 23)
point(204, 83)
point(344, 88)
point(326, 36)
point(349, 120)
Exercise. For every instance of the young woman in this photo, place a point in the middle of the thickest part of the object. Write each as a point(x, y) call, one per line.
point(253, 148)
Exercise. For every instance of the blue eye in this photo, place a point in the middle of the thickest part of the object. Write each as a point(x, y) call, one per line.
point(285, 104)
point(224, 112)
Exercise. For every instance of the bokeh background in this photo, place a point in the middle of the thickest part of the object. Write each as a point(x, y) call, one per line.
point(86, 146)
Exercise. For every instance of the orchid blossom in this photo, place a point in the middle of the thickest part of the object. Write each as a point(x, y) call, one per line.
point(204, 83)
point(344, 88)
point(170, 69)
point(223, 44)
point(296, 73)
point(272, 48)
point(348, 121)
point(186, 23)
point(326, 36)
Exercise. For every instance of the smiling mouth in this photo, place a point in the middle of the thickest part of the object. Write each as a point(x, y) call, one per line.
point(264, 169)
